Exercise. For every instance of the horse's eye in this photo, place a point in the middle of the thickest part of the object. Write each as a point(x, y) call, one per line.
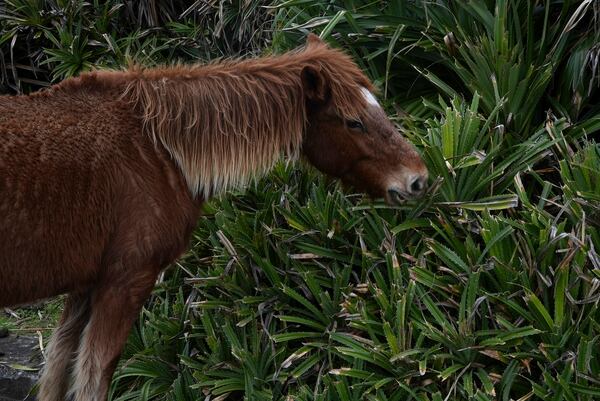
point(355, 124)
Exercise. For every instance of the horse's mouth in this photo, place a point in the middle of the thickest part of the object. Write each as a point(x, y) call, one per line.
point(395, 196)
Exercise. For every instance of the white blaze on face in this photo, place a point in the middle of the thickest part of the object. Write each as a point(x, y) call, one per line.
point(369, 97)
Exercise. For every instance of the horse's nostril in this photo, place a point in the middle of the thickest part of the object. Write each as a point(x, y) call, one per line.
point(417, 184)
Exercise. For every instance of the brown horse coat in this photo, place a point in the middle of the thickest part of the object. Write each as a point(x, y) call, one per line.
point(102, 176)
point(83, 191)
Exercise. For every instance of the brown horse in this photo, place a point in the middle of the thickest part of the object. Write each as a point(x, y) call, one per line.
point(102, 177)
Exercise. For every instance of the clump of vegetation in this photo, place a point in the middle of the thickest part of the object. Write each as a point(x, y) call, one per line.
point(486, 289)
point(43, 42)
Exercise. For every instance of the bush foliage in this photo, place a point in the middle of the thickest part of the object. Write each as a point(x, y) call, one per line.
point(45, 41)
point(294, 289)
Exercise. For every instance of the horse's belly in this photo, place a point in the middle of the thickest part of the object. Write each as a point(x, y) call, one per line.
point(37, 272)
point(42, 257)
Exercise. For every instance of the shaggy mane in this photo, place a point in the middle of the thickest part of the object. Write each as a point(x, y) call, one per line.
point(228, 122)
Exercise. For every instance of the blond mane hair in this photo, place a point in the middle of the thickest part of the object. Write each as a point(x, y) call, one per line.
point(228, 122)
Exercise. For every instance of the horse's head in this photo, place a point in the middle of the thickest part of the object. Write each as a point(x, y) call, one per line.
point(364, 151)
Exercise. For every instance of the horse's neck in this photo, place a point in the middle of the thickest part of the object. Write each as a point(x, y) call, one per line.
point(222, 131)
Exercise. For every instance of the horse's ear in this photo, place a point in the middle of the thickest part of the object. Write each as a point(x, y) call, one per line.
point(315, 86)
point(313, 40)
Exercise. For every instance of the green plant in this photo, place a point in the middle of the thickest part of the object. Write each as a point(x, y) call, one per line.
point(486, 289)
point(46, 41)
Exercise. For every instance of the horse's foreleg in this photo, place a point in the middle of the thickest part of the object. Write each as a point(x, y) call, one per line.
point(61, 349)
point(115, 305)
